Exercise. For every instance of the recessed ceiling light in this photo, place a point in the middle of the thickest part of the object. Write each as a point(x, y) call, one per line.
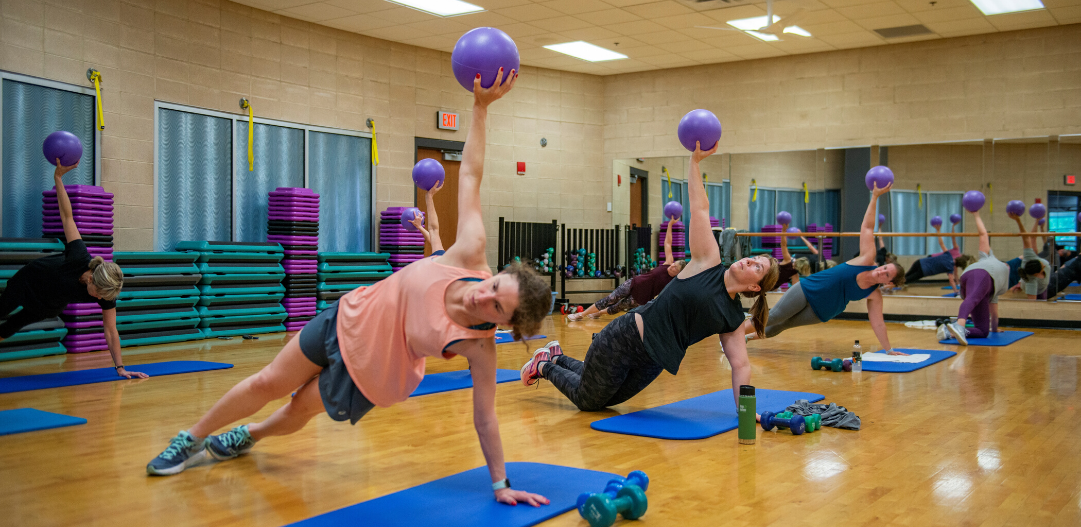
point(585, 51)
point(440, 7)
point(998, 7)
point(751, 25)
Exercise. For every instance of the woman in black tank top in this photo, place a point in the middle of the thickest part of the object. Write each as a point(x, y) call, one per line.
point(703, 300)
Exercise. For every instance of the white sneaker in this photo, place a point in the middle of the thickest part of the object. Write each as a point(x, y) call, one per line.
point(942, 333)
point(959, 332)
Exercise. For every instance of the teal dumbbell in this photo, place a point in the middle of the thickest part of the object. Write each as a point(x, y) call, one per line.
point(601, 511)
point(833, 364)
point(795, 423)
point(813, 421)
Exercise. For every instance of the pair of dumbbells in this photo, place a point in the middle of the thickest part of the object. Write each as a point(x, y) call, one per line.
point(798, 424)
point(621, 496)
point(831, 364)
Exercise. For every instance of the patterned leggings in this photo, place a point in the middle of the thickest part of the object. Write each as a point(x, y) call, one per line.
point(619, 300)
point(616, 368)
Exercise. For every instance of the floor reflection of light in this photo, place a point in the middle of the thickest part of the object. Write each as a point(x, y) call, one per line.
point(988, 459)
point(823, 468)
point(953, 487)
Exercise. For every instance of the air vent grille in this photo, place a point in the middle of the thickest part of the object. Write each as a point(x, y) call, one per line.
point(904, 31)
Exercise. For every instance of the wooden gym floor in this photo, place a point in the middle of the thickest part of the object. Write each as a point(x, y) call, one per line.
point(988, 437)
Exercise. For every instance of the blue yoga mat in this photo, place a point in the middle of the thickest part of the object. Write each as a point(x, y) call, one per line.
point(995, 339)
point(901, 367)
point(73, 378)
point(946, 287)
point(696, 418)
point(1073, 297)
point(457, 380)
point(950, 295)
point(465, 500)
point(506, 338)
point(22, 420)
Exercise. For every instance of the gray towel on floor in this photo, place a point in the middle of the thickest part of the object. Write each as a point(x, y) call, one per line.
point(832, 415)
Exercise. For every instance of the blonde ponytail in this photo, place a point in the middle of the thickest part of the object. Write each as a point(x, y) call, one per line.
point(760, 309)
point(107, 277)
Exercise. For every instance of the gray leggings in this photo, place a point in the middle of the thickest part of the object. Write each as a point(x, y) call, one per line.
point(791, 311)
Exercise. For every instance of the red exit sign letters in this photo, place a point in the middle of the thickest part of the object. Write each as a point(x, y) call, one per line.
point(446, 120)
point(1070, 179)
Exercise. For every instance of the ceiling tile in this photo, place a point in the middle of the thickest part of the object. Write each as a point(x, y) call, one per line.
point(882, 22)
point(659, 9)
point(919, 6)
point(359, 6)
point(1024, 20)
point(709, 32)
point(528, 12)
point(493, 5)
point(592, 33)
point(726, 38)
point(560, 23)
point(707, 56)
point(853, 40)
point(440, 42)
point(275, 5)
point(662, 37)
point(482, 19)
point(847, 3)
point(756, 51)
point(735, 13)
point(949, 13)
point(832, 28)
point(687, 45)
point(442, 26)
point(403, 15)
point(358, 23)
point(521, 30)
point(955, 28)
point(877, 9)
point(824, 16)
point(793, 44)
point(627, 3)
point(574, 7)
point(317, 12)
point(670, 60)
point(685, 21)
point(609, 17)
point(635, 28)
point(1067, 15)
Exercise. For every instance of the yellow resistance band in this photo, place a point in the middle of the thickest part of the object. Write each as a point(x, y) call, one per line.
point(806, 195)
point(95, 76)
point(245, 105)
point(375, 145)
point(919, 194)
point(669, 182)
point(990, 202)
point(754, 197)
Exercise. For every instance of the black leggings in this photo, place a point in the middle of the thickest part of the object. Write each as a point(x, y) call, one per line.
point(915, 273)
point(14, 296)
point(1064, 276)
point(616, 368)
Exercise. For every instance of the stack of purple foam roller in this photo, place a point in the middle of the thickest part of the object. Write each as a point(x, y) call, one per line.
point(293, 221)
point(86, 331)
point(92, 208)
point(679, 240)
point(772, 242)
point(404, 246)
point(827, 243)
point(714, 222)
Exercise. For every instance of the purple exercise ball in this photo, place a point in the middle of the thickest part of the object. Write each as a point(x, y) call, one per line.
point(973, 200)
point(1015, 207)
point(407, 218)
point(1037, 210)
point(699, 126)
point(484, 50)
point(427, 173)
point(793, 230)
point(64, 146)
point(1041, 221)
point(955, 218)
point(881, 219)
point(880, 175)
point(936, 221)
point(673, 210)
point(784, 218)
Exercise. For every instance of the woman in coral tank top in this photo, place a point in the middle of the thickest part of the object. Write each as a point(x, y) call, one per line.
point(369, 349)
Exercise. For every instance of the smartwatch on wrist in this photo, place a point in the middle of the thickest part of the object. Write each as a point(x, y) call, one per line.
point(118, 367)
point(505, 484)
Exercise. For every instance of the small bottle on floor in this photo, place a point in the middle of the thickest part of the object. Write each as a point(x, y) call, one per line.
point(857, 357)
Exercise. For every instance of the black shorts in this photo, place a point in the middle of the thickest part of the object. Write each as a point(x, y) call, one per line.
point(319, 343)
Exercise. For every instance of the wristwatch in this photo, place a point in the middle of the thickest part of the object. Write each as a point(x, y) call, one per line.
point(118, 367)
point(505, 484)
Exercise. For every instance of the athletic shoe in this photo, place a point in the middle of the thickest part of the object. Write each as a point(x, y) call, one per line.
point(183, 451)
point(959, 332)
point(554, 350)
point(942, 333)
point(728, 244)
point(231, 444)
point(531, 370)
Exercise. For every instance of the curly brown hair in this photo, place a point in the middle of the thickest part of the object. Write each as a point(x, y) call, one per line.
point(534, 300)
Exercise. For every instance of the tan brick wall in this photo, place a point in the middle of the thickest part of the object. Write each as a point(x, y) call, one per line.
point(210, 53)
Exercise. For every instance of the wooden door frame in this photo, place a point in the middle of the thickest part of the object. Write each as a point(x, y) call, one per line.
point(643, 175)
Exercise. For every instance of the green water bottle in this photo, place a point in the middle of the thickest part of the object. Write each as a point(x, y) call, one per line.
point(746, 411)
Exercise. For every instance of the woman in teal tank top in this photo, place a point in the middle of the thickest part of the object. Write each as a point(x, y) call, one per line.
point(822, 296)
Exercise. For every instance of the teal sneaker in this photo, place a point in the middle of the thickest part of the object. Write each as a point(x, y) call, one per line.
point(231, 444)
point(183, 451)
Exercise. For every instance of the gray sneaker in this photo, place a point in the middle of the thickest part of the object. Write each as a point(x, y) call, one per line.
point(942, 333)
point(729, 242)
point(231, 444)
point(957, 329)
point(183, 452)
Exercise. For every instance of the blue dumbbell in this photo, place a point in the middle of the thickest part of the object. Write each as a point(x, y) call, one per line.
point(796, 423)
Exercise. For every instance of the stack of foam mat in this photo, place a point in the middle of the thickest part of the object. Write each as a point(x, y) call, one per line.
point(827, 243)
point(35, 340)
point(17, 252)
point(157, 303)
point(340, 273)
point(772, 242)
point(293, 221)
point(241, 287)
point(86, 332)
point(403, 245)
point(92, 208)
point(679, 240)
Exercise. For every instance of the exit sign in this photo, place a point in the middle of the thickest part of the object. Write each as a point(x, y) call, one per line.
point(446, 120)
point(1070, 179)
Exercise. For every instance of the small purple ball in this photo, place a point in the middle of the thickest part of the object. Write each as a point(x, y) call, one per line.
point(673, 210)
point(699, 126)
point(955, 218)
point(1015, 207)
point(1041, 221)
point(936, 221)
point(881, 219)
point(484, 50)
point(63, 145)
point(407, 218)
point(793, 230)
point(784, 218)
point(427, 173)
point(880, 175)
point(1037, 210)
point(973, 200)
